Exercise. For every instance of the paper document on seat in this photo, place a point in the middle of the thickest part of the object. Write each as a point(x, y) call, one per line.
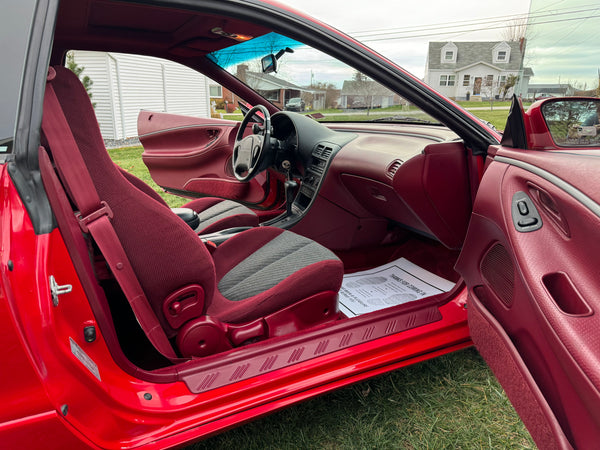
point(393, 284)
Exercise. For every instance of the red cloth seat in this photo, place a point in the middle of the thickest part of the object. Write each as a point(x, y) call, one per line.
point(215, 214)
point(254, 274)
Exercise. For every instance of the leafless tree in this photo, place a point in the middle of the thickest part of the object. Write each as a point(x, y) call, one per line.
point(490, 87)
point(511, 81)
point(365, 89)
point(515, 30)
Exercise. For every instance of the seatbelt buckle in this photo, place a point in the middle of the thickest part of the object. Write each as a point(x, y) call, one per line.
point(104, 210)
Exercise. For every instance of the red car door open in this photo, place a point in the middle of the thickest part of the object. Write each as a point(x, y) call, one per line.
point(531, 262)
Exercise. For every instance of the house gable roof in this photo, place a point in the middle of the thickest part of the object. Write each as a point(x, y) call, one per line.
point(472, 52)
point(353, 87)
point(266, 81)
point(479, 63)
point(550, 88)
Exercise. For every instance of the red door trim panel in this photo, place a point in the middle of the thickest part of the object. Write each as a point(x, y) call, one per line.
point(185, 127)
point(558, 182)
point(496, 347)
point(552, 283)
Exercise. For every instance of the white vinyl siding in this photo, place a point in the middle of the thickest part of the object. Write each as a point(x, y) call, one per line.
point(126, 84)
point(95, 67)
point(186, 91)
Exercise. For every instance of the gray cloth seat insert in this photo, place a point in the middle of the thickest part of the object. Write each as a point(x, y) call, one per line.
point(220, 211)
point(271, 264)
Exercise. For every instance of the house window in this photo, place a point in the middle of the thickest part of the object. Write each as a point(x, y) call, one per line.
point(502, 80)
point(448, 53)
point(489, 80)
point(466, 80)
point(501, 53)
point(216, 91)
point(447, 80)
point(271, 95)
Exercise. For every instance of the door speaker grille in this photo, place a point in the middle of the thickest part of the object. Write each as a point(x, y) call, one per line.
point(498, 271)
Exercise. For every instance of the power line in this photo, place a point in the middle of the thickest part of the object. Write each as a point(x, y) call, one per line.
point(437, 33)
point(473, 22)
point(454, 24)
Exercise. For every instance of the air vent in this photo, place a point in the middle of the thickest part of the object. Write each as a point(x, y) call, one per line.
point(322, 151)
point(393, 168)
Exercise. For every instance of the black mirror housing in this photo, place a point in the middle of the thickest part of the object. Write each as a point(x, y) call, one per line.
point(269, 64)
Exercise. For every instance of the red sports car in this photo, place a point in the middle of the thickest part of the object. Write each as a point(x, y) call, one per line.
point(313, 250)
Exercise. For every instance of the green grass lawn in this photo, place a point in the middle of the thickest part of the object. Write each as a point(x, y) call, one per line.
point(450, 402)
point(494, 115)
point(130, 159)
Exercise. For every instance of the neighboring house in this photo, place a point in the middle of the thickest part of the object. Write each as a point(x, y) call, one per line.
point(365, 94)
point(223, 98)
point(125, 84)
point(550, 90)
point(279, 91)
point(461, 70)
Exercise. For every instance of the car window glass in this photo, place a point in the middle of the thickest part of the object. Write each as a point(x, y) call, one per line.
point(307, 80)
point(118, 92)
point(14, 30)
point(561, 43)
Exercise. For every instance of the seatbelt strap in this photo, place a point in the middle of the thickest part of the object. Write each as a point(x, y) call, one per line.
point(94, 217)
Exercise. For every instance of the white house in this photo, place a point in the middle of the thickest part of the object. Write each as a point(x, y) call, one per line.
point(550, 90)
point(463, 70)
point(365, 93)
point(124, 84)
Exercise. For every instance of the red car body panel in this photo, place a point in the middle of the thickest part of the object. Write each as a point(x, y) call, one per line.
point(117, 411)
point(61, 390)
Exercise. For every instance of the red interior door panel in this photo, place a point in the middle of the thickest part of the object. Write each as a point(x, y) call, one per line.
point(193, 155)
point(531, 261)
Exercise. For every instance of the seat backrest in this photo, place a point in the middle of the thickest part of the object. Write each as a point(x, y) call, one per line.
point(142, 186)
point(164, 252)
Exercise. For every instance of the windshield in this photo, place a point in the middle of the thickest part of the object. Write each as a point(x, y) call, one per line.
point(320, 85)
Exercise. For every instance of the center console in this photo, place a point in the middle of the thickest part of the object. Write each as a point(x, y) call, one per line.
point(317, 166)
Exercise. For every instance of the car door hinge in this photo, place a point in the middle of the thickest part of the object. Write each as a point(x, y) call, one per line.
point(56, 289)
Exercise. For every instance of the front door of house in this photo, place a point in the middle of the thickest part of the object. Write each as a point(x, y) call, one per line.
point(477, 86)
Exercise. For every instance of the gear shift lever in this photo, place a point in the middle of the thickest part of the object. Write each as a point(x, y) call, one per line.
point(289, 187)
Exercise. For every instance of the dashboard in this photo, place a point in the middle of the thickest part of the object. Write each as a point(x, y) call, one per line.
point(357, 179)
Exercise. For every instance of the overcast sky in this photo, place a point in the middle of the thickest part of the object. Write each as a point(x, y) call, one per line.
point(415, 18)
point(552, 44)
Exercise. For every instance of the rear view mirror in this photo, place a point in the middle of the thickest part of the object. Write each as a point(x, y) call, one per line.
point(269, 64)
point(573, 122)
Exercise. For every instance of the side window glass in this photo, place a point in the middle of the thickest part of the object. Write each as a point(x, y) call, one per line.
point(121, 85)
point(14, 34)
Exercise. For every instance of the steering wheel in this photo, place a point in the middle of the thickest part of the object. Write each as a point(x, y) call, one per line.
point(249, 152)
